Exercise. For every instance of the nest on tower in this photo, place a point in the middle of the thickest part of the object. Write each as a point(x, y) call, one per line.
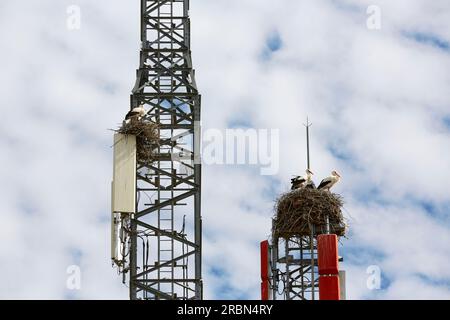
point(147, 138)
point(301, 210)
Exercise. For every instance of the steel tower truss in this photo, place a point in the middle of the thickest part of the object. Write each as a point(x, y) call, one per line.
point(294, 265)
point(295, 274)
point(165, 246)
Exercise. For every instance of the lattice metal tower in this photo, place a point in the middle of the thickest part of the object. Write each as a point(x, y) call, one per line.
point(296, 269)
point(165, 231)
point(294, 260)
point(299, 264)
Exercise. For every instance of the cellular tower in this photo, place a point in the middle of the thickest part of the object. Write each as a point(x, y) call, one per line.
point(302, 263)
point(156, 222)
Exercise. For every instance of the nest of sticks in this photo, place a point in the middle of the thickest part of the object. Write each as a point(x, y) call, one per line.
point(303, 211)
point(147, 138)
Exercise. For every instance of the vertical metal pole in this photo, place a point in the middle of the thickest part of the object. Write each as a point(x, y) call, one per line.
point(307, 125)
point(327, 221)
point(273, 265)
point(287, 287)
point(302, 276)
point(133, 225)
point(311, 246)
point(187, 27)
point(143, 23)
point(197, 200)
point(133, 257)
point(198, 239)
point(342, 284)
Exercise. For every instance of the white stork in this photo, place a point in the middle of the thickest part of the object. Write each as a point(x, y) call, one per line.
point(297, 182)
point(138, 111)
point(330, 181)
point(309, 183)
point(300, 182)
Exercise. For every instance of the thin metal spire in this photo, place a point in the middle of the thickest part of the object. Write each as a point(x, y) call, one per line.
point(307, 125)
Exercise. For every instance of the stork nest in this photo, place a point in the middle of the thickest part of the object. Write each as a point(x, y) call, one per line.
point(147, 138)
point(300, 210)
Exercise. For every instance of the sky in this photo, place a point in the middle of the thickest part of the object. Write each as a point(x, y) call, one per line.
point(372, 76)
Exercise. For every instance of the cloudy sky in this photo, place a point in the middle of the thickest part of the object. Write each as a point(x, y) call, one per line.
point(379, 101)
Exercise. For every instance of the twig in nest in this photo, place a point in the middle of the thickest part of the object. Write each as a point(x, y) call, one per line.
point(147, 138)
point(298, 210)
